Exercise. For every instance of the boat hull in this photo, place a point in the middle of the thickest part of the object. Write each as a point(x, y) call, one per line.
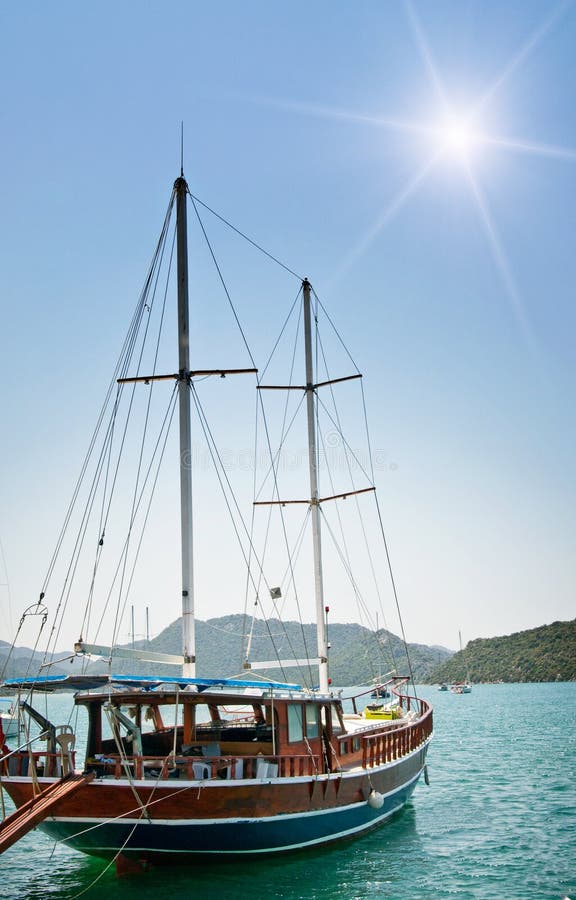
point(191, 819)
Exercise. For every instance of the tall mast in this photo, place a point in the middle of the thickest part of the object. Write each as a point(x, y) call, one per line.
point(315, 506)
point(188, 639)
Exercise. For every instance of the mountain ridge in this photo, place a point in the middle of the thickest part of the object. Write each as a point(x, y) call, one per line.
point(357, 656)
point(545, 653)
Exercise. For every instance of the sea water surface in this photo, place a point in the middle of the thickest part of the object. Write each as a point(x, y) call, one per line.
point(497, 821)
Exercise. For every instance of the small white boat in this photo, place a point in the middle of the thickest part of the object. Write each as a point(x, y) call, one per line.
point(10, 724)
point(461, 688)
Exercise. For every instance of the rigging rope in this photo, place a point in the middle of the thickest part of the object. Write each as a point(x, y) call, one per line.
point(120, 369)
point(125, 354)
point(147, 416)
point(356, 500)
point(276, 491)
point(163, 434)
point(255, 493)
point(168, 421)
point(246, 641)
point(222, 476)
point(107, 467)
point(223, 283)
point(229, 298)
point(371, 478)
point(244, 236)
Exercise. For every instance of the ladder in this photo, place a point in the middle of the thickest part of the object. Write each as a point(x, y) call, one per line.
point(35, 810)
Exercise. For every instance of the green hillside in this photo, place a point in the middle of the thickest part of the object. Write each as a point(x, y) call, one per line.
point(22, 661)
point(357, 655)
point(547, 653)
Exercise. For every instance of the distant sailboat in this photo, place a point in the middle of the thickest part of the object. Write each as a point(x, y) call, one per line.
point(462, 687)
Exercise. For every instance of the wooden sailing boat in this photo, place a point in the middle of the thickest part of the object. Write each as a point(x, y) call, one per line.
point(182, 767)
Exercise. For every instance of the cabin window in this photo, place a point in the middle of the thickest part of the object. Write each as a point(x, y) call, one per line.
point(106, 731)
point(295, 722)
point(203, 719)
point(337, 724)
point(312, 725)
point(120, 728)
point(154, 717)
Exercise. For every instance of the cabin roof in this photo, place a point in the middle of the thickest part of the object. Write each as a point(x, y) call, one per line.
point(140, 682)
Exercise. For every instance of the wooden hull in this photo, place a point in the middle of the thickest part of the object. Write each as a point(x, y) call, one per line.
point(180, 820)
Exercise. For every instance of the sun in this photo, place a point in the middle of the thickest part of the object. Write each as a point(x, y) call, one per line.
point(458, 138)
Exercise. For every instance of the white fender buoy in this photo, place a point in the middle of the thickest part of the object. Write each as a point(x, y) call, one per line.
point(375, 800)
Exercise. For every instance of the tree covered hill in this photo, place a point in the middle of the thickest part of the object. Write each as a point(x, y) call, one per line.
point(20, 662)
point(547, 653)
point(357, 655)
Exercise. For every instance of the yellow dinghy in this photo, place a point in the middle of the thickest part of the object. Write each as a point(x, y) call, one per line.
point(382, 711)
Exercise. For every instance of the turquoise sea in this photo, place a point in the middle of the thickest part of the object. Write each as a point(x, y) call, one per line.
point(498, 821)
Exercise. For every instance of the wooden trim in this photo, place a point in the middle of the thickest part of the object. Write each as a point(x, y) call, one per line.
point(310, 502)
point(305, 387)
point(176, 375)
point(337, 380)
point(148, 378)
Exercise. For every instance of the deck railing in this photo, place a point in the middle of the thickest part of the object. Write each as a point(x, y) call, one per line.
point(39, 763)
point(393, 743)
point(385, 746)
point(199, 768)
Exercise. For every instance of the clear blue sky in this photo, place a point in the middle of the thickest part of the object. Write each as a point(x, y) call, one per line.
point(327, 131)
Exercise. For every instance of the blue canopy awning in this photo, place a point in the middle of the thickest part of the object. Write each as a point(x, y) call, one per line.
point(143, 682)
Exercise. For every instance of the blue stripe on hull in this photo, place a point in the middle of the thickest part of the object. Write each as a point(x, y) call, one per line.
point(160, 841)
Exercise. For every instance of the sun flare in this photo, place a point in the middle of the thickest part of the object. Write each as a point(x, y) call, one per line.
point(458, 138)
